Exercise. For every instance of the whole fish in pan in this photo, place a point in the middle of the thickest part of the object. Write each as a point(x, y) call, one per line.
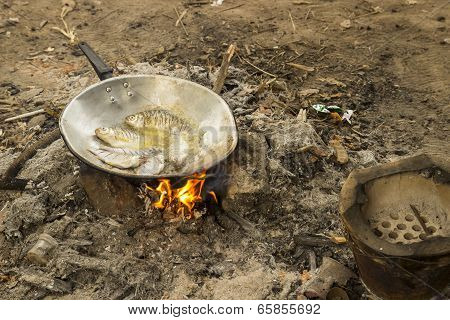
point(160, 119)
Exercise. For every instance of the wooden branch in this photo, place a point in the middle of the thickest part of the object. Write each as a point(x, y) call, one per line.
point(223, 71)
point(13, 184)
point(29, 152)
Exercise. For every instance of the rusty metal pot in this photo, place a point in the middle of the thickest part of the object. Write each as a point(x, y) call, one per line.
point(397, 218)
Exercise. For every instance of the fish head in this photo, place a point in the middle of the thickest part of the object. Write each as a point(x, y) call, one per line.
point(104, 133)
point(135, 120)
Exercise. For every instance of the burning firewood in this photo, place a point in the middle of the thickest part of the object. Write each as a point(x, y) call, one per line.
point(176, 203)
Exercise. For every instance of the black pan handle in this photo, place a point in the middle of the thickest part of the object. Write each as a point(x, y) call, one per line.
point(101, 68)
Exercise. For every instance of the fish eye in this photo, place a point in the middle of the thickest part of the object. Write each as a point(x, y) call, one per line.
point(132, 117)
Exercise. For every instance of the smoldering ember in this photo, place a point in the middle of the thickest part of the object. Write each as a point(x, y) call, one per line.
point(245, 150)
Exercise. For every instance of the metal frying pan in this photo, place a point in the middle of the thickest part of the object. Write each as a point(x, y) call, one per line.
point(108, 102)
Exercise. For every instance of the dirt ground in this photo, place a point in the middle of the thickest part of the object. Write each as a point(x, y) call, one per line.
point(386, 60)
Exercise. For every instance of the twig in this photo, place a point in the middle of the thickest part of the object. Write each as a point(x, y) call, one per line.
point(300, 67)
point(312, 241)
point(223, 71)
point(292, 21)
point(105, 16)
point(359, 133)
point(422, 223)
point(275, 56)
point(25, 115)
point(181, 22)
point(257, 68)
point(307, 14)
point(180, 17)
point(231, 8)
point(9, 178)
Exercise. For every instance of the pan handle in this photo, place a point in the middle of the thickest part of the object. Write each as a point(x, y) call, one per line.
point(101, 68)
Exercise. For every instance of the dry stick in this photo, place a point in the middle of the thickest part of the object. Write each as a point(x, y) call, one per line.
point(13, 184)
point(25, 115)
point(292, 21)
point(181, 22)
point(307, 14)
point(422, 223)
point(27, 153)
point(223, 71)
point(231, 8)
point(257, 68)
point(300, 67)
point(180, 17)
point(105, 16)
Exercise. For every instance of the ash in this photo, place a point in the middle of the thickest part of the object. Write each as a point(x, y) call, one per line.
point(282, 184)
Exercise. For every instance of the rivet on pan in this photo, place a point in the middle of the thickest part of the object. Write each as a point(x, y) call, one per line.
point(125, 84)
point(129, 93)
point(108, 89)
point(112, 99)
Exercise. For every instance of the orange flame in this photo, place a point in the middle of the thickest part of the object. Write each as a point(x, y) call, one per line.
point(180, 200)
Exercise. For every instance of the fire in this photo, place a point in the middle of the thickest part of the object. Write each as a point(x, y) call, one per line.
point(179, 201)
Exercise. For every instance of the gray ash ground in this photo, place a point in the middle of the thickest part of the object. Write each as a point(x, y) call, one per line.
point(394, 77)
point(137, 255)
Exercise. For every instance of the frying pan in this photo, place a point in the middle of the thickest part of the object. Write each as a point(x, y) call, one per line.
point(108, 102)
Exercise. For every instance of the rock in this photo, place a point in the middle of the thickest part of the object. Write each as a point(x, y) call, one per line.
point(37, 121)
point(246, 174)
point(109, 195)
point(346, 24)
point(12, 21)
point(330, 272)
point(337, 293)
point(366, 158)
point(340, 153)
point(291, 136)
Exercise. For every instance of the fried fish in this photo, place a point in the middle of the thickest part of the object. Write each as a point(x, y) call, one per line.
point(160, 119)
point(118, 160)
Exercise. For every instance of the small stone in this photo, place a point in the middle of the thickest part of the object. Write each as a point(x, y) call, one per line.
point(329, 273)
point(346, 24)
point(366, 158)
point(37, 121)
point(109, 195)
point(13, 21)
